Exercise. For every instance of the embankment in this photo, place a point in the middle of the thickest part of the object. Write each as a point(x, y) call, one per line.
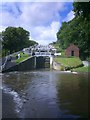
point(25, 65)
point(30, 64)
point(66, 63)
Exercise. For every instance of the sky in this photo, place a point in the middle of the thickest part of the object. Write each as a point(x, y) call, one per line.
point(41, 19)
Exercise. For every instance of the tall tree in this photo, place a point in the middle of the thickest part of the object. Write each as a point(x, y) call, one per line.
point(82, 9)
point(15, 39)
point(77, 30)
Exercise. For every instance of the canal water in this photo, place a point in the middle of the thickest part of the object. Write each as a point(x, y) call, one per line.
point(44, 94)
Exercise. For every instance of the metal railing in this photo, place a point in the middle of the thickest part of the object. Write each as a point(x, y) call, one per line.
point(42, 54)
point(3, 66)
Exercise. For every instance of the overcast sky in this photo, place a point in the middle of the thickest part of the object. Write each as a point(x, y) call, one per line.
point(41, 19)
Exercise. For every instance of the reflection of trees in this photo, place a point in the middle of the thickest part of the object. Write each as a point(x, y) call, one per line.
point(73, 94)
point(17, 82)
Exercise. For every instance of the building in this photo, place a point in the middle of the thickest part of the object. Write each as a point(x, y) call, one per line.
point(72, 50)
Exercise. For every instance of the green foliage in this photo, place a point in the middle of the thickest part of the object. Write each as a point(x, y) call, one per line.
point(0, 49)
point(76, 31)
point(15, 39)
point(82, 69)
point(31, 43)
point(62, 68)
point(88, 59)
point(57, 46)
point(63, 54)
point(82, 9)
point(4, 52)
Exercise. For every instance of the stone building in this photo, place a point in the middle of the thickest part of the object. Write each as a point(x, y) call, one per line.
point(72, 50)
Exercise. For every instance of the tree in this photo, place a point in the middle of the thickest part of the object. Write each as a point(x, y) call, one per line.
point(31, 43)
point(15, 39)
point(82, 9)
point(77, 30)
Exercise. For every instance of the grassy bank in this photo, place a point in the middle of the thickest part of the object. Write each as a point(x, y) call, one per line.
point(82, 69)
point(22, 57)
point(69, 63)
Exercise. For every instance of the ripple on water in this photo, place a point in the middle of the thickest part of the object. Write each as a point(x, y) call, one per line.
point(16, 98)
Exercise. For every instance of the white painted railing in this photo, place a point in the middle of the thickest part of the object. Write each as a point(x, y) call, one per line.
point(42, 54)
point(3, 66)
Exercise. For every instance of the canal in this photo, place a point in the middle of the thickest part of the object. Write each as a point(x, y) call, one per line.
point(44, 94)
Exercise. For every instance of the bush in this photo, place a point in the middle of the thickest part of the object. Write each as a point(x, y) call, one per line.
point(88, 59)
point(82, 69)
point(62, 68)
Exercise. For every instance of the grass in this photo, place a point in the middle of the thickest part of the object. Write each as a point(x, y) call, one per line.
point(22, 57)
point(82, 69)
point(69, 62)
point(62, 53)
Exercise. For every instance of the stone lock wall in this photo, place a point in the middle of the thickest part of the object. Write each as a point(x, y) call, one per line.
point(26, 65)
point(31, 64)
point(42, 62)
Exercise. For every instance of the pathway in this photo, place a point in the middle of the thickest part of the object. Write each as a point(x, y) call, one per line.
point(86, 63)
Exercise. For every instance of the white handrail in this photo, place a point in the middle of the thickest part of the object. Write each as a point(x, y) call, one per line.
point(4, 63)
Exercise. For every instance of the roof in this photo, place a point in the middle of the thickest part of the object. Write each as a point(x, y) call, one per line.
point(73, 47)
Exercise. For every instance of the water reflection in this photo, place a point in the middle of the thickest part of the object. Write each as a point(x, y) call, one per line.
point(73, 94)
point(17, 81)
point(45, 94)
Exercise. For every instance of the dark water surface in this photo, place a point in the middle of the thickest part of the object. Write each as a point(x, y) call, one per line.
point(45, 94)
